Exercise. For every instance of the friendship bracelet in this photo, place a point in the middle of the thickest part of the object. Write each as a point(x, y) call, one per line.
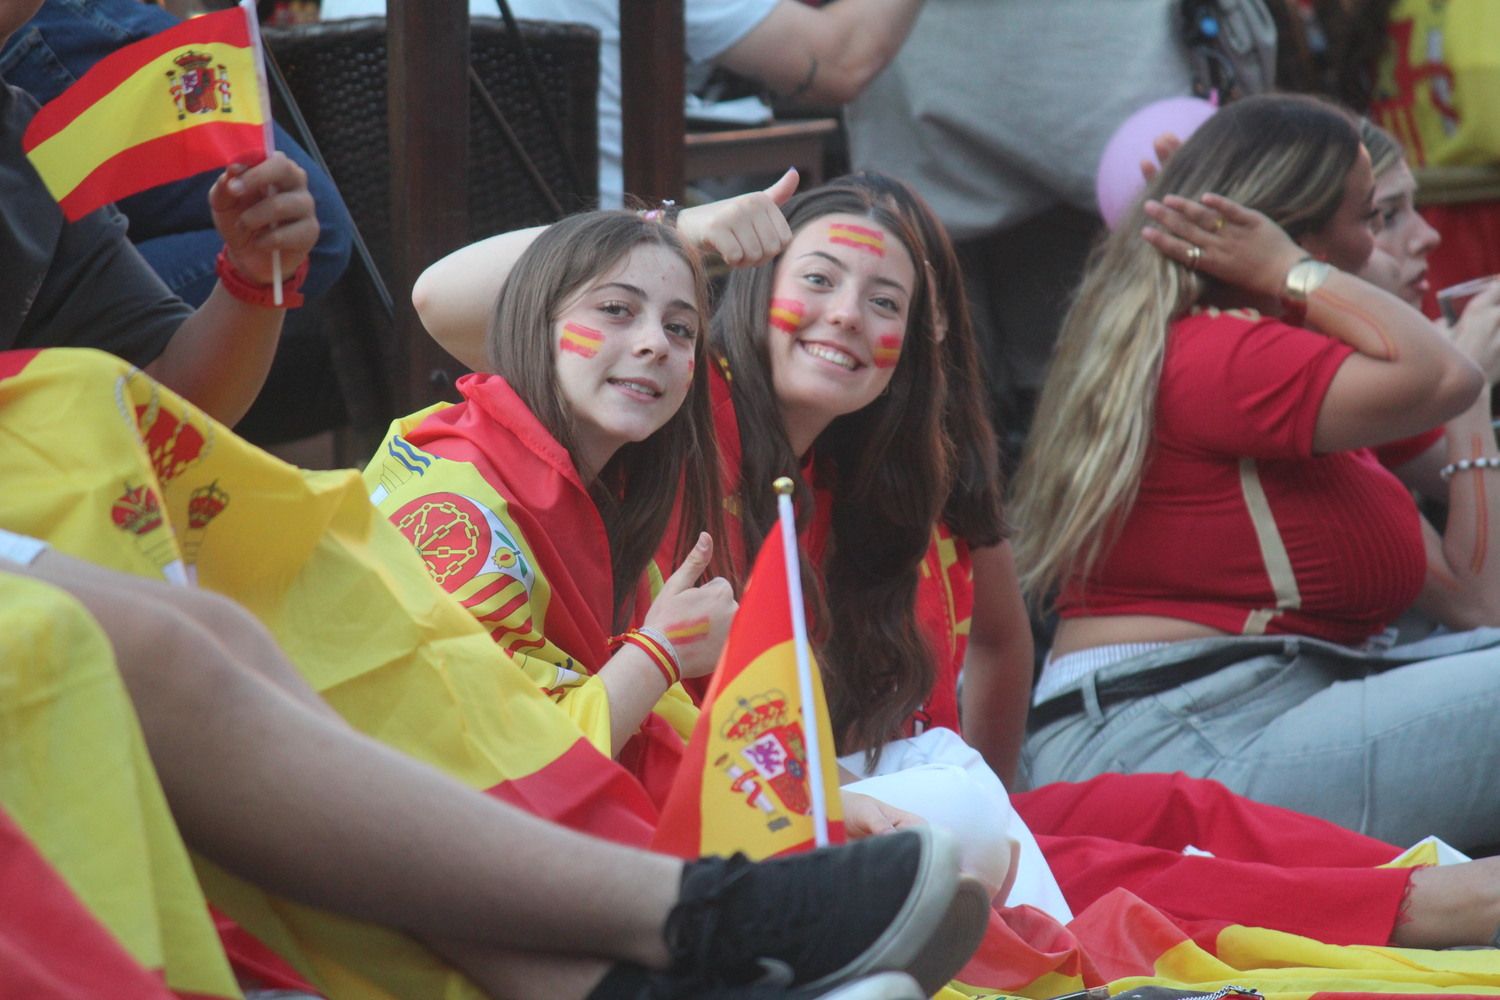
point(247, 291)
point(1465, 464)
point(657, 647)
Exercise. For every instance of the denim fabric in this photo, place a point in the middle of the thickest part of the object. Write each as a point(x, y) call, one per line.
point(171, 224)
point(1396, 745)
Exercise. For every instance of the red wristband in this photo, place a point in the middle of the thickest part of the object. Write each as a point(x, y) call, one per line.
point(247, 291)
point(657, 650)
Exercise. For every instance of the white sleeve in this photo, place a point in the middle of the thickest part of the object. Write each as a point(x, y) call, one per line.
point(711, 26)
point(20, 548)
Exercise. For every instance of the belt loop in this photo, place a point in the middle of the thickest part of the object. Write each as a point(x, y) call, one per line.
point(1089, 691)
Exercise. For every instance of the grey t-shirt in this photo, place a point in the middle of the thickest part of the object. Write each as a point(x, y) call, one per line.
point(997, 111)
point(78, 284)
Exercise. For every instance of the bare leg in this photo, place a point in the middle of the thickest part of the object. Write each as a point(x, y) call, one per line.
point(301, 804)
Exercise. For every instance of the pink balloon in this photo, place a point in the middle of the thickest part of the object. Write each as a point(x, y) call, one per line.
point(1119, 182)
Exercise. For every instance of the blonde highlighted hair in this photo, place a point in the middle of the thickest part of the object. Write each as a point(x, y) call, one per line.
point(1287, 156)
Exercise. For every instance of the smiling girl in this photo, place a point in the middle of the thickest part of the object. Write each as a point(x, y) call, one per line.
point(539, 500)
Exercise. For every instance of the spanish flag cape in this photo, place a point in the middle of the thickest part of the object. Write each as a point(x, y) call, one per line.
point(494, 506)
point(109, 466)
point(99, 895)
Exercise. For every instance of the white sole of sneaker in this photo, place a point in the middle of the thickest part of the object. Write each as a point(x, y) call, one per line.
point(881, 986)
point(937, 928)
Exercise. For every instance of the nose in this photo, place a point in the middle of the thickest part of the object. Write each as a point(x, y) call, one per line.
point(650, 337)
point(1425, 239)
point(843, 308)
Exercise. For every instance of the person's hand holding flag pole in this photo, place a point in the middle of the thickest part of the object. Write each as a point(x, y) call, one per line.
point(186, 100)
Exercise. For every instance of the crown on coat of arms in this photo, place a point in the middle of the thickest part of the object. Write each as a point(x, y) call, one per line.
point(757, 715)
point(191, 60)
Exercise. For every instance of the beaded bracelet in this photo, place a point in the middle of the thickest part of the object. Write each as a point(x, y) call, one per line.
point(1465, 464)
point(245, 290)
point(657, 647)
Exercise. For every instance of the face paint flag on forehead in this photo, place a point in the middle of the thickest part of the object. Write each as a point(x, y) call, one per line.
point(860, 237)
point(170, 106)
point(580, 340)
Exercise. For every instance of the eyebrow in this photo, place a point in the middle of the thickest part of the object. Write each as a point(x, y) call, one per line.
point(640, 293)
point(877, 279)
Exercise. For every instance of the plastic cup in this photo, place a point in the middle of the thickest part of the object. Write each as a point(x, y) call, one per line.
point(1455, 298)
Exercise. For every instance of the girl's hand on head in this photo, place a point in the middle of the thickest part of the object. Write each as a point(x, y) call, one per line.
point(745, 230)
point(1223, 240)
point(1477, 332)
point(695, 618)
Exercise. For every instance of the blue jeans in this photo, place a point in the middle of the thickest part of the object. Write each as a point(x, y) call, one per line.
point(171, 224)
point(1396, 745)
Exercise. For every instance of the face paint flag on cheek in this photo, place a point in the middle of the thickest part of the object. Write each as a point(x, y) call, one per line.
point(786, 314)
point(887, 351)
point(580, 340)
point(859, 237)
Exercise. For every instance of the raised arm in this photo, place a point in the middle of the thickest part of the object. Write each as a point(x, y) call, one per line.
point(1404, 378)
point(823, 54)
point(455, 297)
point(1463, 564)
point(999, 666)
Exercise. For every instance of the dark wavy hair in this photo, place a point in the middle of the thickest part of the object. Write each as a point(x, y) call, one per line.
point(636, 489)
point(885, 467)
point(974, 509)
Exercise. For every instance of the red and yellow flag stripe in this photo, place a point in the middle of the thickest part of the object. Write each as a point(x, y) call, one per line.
point(860, 237)
point(126, 125)
point(787, 314)
point(581, 340)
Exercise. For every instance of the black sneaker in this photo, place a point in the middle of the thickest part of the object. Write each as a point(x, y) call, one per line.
point(815, 920)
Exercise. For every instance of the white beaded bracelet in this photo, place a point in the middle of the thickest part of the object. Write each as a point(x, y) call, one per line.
point(1465, 464)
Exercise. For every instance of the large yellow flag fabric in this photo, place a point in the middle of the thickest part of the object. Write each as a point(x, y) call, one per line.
point(76, 783)
point(164, 108)
point(109, 466)
point(744, 781)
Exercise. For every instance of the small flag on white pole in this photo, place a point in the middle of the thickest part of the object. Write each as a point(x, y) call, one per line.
point(783, 487)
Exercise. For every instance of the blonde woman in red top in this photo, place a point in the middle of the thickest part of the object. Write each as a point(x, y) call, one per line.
point(1208, 495)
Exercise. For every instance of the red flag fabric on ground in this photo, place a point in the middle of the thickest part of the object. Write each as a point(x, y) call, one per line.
point(743, 784)
point(165, 108)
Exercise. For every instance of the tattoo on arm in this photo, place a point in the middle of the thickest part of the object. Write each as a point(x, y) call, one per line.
point(807, 81)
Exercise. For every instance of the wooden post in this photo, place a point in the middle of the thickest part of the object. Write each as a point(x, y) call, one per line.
point(651, 83)
point(428, 101)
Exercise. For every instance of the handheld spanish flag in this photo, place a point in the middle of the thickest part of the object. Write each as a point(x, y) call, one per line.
point(761, 756)
point(167, 107)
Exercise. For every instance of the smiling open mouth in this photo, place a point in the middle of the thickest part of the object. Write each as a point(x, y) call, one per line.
point(644, 388)
point(833, 355)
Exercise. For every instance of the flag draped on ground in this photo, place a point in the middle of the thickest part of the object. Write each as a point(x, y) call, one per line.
point(743, 785)
point(164, 108)
point(138, 480)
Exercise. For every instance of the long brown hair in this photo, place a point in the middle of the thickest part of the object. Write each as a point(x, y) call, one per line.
point(974, 509)
point(1285, 155)
point(885, 468)
point(636, 488)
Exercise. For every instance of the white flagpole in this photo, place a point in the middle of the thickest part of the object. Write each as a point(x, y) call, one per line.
point(259, 48)
point(783, 487)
